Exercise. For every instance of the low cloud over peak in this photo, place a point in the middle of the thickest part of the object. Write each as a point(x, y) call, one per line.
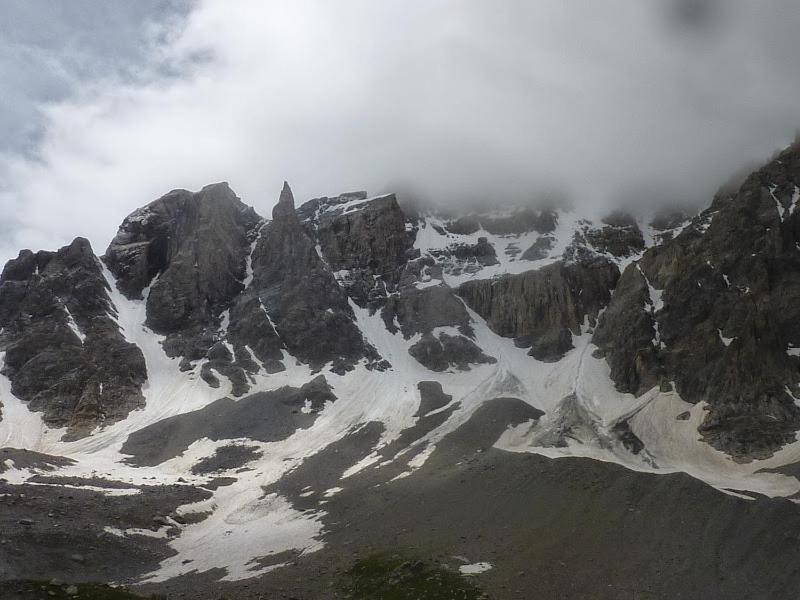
point(454, 101)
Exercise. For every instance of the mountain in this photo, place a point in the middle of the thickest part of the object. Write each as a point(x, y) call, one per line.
point(547, 403)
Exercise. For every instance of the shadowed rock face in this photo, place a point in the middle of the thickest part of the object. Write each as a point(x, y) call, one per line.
point(431, 397)
point(369, 241)
point(445, 351)
point(542, 309)
point(482, 252)
point(539, 249)
point(191, 249)
point(619, 236)
point(64, 353)
point(297, 289)
point(626, 335)
point(730, 284)
point(422, 311)
point(668, 222)
point(467, 258)
point(196, 243)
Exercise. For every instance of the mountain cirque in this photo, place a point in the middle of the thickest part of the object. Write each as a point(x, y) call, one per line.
point(224, 404)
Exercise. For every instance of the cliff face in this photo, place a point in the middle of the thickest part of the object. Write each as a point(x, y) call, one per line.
point(711, 308)
point(542, 309)
point(716, 311)
point(194, 243)
point(367, 239)
point(299, 292)
point(64, 353)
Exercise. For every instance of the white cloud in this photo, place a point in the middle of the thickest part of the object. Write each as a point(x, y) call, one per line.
point(456, 99)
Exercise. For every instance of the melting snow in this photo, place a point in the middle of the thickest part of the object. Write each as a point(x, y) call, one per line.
point(72, 324)
point(475, 568)
point(781, 210)
point(160, 534)
point(244, 524)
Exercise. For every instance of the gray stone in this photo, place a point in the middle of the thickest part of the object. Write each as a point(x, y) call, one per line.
point(541, 309)
point(64, 352)
point(311, 312)
point(539, 249)
point(620, 236)
point(733, 272)
point(370, 241)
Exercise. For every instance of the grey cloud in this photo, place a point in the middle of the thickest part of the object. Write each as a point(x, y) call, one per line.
point(641, 102)
point(48, 49)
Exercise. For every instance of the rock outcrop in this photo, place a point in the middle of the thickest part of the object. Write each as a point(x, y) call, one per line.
point(300, 295)
point(630, 317)
point(440, 318)
point(467, 258)
point(188, 251)
point(366, 242)
point(729, 322)
point(619, 236)
point(542, 309)
point(64, 352)
point(539, 249)
point(191, 247)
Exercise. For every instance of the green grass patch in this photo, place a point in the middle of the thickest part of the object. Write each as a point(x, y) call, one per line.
point(394, 577)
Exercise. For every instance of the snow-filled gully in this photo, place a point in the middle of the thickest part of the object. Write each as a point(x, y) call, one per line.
point(246, 525)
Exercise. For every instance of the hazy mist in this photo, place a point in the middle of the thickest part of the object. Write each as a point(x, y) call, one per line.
point(600, 102)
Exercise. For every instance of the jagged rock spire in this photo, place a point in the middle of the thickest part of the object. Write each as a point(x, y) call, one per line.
point(285, 206)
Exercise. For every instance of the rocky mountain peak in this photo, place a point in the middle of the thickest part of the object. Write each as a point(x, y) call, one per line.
point(152, 239)
point(715, 310)
point(297, 290)
point(235, 296)
point(64, 352)
point(284, 209)
point(311, 385)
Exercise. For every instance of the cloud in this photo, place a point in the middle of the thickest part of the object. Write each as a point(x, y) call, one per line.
point(454, 100)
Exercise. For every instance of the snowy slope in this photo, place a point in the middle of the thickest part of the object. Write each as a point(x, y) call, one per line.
point(581, 405)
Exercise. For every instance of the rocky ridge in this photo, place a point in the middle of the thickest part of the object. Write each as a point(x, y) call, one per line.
point(63, 351)
point(284, 393)
point(235, 295)
point(715, 310)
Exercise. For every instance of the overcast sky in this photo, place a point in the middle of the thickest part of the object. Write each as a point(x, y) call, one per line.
point(106, 105)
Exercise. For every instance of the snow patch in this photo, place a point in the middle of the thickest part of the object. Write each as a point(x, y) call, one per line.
point(475, 568)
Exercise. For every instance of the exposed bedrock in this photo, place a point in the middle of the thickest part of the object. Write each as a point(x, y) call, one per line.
point(542, 309)
point(195, 243)
point(619, 236)
point(369, 242)
point(730, 288)
point(431, 397)
point(539, 249)
point(435, 312)
point(64, 353)
point(466, 258)
point(298, 291)
point(626, 334)
point(189, 250)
